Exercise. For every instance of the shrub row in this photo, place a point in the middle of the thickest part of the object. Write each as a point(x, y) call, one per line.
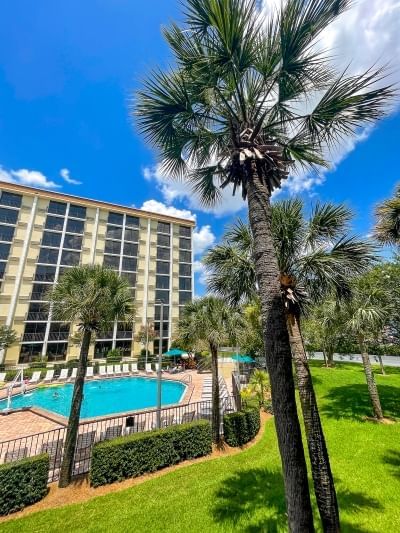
point(23, 483)
point(241, 427)
point(132, 456)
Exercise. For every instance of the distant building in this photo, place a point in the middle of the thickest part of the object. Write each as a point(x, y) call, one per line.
point(44, 233)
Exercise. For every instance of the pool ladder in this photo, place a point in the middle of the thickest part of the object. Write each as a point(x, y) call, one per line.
point(19, 374)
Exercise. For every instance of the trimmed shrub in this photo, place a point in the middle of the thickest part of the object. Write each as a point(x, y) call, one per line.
point(23, 483)
point(241, 427)
point(132, 456)
point(28, 373)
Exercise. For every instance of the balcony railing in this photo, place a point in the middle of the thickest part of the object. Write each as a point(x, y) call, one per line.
point(37, 315)
point(30, 337)
point(58, 335)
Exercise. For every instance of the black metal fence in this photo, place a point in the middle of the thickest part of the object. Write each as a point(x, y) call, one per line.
point(52, 442)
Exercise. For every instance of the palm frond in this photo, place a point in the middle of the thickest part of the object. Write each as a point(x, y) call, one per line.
point(387, 228)
point(327, 222)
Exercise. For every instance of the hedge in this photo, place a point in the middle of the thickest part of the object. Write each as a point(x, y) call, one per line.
point(136, 454)
point(23, 483)
point(241, 427)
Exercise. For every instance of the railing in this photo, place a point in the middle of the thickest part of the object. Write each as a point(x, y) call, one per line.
point(236, 390)
point(37, 315)
point(52, 442)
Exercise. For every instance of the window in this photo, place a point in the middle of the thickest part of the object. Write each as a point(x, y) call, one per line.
point(48, 255)
point(185, 244)
point(185, 284)
point(163, 253)
point(54, 223)
point(56, 351)
point(34, 331)
point(4, 251)
point(113, 247)
point(130, 278)
point(77, 211)
point(45, 273)
point(58, 331)
point(164, 345)
point(8, 216)
point(130, 248)
point(51, 239)
point(157, 312)
point(2, 269)
point(124, 346)
point(72, 241)
point(10, 199)
point(163, 240)
point(115, 218)
point(37, 311)
point(185, 231)
point(57, 208)
point(162, 282)
point(162, 267)
point(162, 295)
point(75, 226)
point(70, 258)
point(185, 257)
point(185, 270)
point(164, 227)
point(185, 297)
point(132, 222)
point(101, 349)
point(129, 263)
point(29, 352)
point(62, 270)
point(111, 261)
point(131, 235)
point(6, 233)
point(39, 291)
point(157, 327)
point(114, 233)
point(124, 333)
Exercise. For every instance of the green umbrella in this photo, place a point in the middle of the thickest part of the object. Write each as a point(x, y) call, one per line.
point(242, 358)
point(174, 352)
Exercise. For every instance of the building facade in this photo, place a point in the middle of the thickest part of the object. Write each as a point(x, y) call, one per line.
point(44, 233)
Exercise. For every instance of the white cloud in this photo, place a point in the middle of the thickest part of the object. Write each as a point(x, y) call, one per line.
point(200, 270)
point(159, 207)
point(23, 176)
point(203, 238)
point(65, 174)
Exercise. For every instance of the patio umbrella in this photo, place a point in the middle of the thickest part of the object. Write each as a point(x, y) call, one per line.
point(174, 352)
point(242, 358)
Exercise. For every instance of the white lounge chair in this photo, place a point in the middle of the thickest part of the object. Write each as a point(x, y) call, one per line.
point(63, 374)
point(110, 370)
point(149, 370)
point(35, 377)
point(73, 374)
point(102, 370)
point(2, 377)
point(49, 376)
point(89, 372)
point(125, 368)
point(117, 370)
point(134, 368)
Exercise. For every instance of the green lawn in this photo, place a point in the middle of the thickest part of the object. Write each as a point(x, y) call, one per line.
point(244, 492)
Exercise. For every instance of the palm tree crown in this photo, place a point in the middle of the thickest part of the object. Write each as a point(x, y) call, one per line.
point(387, 229)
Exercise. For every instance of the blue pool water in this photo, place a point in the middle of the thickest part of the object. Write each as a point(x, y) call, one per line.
point(101, 397)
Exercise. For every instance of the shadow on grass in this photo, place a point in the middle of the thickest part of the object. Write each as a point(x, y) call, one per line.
point(353, 401)
point(392, 458)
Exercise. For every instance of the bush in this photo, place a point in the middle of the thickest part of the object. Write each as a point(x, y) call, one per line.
point(241, 427)
point(114, 356)
point(132, 456)
point(23, 483)
point(28, 372)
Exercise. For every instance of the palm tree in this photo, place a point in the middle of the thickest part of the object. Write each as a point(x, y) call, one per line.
point(236, 111)
point(315, 257)
point(259, 383)
point(93, 297)
point(8, 336)
point(387, 227)
point(210, 320)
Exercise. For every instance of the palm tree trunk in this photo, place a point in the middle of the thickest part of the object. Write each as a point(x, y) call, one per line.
point(73, 421)
point(325, 359)
point(321, 470)
point(279, 359)
point(372, 388)
point(215, 415)
point(381, 365)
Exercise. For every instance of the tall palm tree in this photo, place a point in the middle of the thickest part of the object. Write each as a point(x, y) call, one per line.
point(387, 214)
point(236, 111)
point(315, 256)
point(92, 297)
point(211, 321)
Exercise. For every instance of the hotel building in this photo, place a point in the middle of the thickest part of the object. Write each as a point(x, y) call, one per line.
point(44, 233)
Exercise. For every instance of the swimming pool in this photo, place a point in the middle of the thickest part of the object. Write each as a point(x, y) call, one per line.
point(101, 397)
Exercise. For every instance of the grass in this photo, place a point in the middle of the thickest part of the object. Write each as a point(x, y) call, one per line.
point(244, 492)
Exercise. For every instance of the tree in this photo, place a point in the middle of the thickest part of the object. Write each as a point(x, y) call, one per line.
point(259, 384)
point(93, 297)
point(210, 320)
point(230, 113)
point(7, 337)
point(387, 215)
point(146, 334)
point(315, 257)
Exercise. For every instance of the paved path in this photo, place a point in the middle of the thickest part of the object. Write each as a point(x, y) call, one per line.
point(388, 360)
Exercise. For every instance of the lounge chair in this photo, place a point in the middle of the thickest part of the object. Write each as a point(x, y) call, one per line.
point(16, 455)
point(102, 371)
point(49, 376)
point(137, 427)
point(188, 417)
point(149, 370)
point(117, 370)
point(73, 374)
point(63, 374)
point(89, 372)
point(112, 432)
point(2, 377)
point(125, 368)
point(35, 377)
point(134, 368)
point(83, 444)
point(54, 449)
point(110, 370)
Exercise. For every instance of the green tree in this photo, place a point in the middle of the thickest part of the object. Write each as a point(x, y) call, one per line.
point(209, 320)
point(230, 113)
point(315, 256)
point(92, 297)
point(387, 220)
point(259, 384)
point(7, 337)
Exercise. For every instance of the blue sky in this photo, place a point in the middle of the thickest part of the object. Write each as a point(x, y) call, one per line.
point(68, 71)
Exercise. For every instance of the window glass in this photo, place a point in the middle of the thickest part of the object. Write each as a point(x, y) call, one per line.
point(63, 270)
point(162, 295)
point(111, 261)
point(164, 345)
point(185, 244)
point(185, 270)
point(77, 211)
point(29, 352)
point(6, 233)
point(129, 263)
point(48, 255)
point(130, 277)
point(130, 248)
point(75, 226)
point(114, 233)
point(57, 208)
point(56, 351)
point(72, 241)
point(8, 216)
point(35, 327)
point(163, 240)
point(184, 231)
point(45, 273)
point(124, 346)
point(4, 251)
point(185, 284)
point(162, 267)
point(132, 222)
point(162, 282)
point(113, 247)
point(54, 223)
point(157, 328)
point(2, 269)
point(115, 218)
point(39, 291)
point(157, 312)
point(131, 235)
point(101, 349)
point(185, 257)
point(185, 297)
point(10, 199)
point(70, 258)
point(163, 253)
point(163, 227)
point(51, 239)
